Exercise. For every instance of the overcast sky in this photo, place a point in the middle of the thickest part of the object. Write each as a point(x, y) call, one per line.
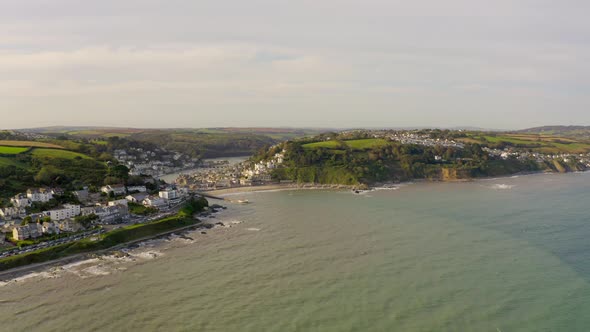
point(320, 63)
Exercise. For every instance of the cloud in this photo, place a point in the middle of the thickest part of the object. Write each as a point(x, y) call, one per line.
point(266, 62)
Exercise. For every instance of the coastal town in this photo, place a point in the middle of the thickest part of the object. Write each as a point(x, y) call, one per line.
point(225, 175)
point(47, 216)
point(91, 214)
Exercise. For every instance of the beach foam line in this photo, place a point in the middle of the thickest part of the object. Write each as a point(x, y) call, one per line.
point(501, 186)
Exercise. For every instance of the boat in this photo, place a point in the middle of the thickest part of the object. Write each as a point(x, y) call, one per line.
point(243, 201)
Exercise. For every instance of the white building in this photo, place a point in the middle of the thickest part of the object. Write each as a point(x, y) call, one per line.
point(20, 201)
point(169, 194)
point(118, 202)
point(155, 201)
point(140, 189)
point(31, 230)
point(12, 212)
point(108, 214)
point(136, 198)
point(66, 212)
point(50, 228)
point(39, 195)
point(117, 190)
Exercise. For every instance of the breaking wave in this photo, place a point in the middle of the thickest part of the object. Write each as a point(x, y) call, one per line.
point(501, 186)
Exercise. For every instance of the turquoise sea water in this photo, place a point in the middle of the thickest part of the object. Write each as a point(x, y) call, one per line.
point(508, 254)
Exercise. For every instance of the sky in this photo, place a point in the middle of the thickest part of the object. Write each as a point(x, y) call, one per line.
point(500, 64)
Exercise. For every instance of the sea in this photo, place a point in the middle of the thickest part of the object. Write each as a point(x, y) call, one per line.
point(499, 255)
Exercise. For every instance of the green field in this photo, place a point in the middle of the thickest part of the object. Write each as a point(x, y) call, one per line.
point(365, 144)
point(537, 143)
point(30, 144)
point(359, 144)
point(12, 150)
point(54, 154)
point(102, 133)
point(325, 144)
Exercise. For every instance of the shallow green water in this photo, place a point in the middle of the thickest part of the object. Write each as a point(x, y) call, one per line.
point(496, 255)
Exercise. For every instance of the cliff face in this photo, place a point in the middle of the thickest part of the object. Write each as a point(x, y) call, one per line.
point(563, 167)
point(559, 167)
point(452, 174)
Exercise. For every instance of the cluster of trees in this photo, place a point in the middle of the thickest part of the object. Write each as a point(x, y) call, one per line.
point(192, 206)
point(86, 221)
point(141, 210)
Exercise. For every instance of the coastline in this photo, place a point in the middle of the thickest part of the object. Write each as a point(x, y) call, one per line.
point(316, 186)
point(27, 269)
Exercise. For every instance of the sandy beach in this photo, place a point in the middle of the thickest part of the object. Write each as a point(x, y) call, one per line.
point(271, 187)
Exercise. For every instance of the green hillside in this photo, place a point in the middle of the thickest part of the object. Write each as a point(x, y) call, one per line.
point(34, 167)
point(359, 144)
point(11, 150)
point(57, 154)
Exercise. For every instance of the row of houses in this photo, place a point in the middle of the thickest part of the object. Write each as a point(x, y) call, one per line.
point(65, 212)
point(35, 230)
point(109, 214)
point(118, 190)
point(41, 195)
point(162, 200)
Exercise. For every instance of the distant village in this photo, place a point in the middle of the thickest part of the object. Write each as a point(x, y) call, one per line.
point(155, 162)
point(223, 175)
point(412, 137)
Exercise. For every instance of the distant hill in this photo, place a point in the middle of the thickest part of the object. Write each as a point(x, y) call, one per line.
point(570, 131)
point(201, 142)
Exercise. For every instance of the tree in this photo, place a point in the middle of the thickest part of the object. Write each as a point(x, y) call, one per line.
point(119, 171)
point(86, 221)
point(47, 175)
point(26, 220)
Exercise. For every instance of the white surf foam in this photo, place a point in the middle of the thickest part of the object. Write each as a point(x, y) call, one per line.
point(501, 186)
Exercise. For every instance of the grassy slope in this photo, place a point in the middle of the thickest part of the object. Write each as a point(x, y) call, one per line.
point(64, 166)
point(28, 144)
point(538, 143)
point(53, 153)
point(360, 144)
point(12, 150)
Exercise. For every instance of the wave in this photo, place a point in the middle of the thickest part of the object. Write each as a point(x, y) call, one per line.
point(29, 277)
point(147, 255)
point(501, 186)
